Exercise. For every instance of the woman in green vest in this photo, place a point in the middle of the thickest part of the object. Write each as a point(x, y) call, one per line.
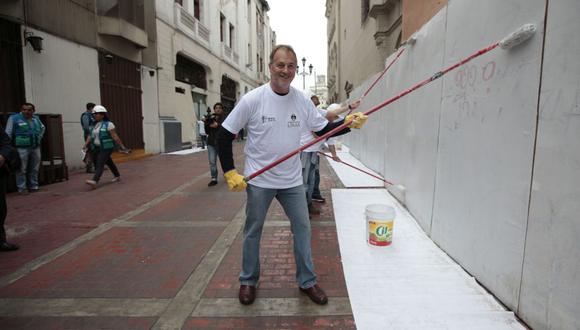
point(103, 140)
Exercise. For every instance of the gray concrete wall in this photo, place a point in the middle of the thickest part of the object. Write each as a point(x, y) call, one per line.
point(489, 154)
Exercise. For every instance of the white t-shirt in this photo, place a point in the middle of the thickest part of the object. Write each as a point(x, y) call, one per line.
point(274, 124)
point(308, 136)
point(95, 132)
point(201, 127)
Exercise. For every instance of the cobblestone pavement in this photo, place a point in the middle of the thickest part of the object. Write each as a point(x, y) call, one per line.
point(159, 250)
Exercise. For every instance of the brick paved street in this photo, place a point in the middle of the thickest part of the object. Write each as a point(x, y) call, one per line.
point(159, 250)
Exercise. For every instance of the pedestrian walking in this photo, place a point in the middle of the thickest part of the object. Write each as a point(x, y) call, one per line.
point(102, 141)
point(87, 124)
point(26, 131)
point(202, 133)
point(274, 116)
point(213, 123)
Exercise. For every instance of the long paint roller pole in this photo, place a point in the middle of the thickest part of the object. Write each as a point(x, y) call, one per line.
point(517, 37)
point(382, 74)
point(356, 168)
point(378, 78)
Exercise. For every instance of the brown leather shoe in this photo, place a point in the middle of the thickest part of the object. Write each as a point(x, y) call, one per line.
point(316, 294)
point(247, 294)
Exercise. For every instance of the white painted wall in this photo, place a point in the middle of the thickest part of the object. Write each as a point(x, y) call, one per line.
point(466, 150)
point(486, 141)
point(550, 294)
point(61, 80)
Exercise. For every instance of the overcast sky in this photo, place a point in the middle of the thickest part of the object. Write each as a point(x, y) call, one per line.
point(301, 24)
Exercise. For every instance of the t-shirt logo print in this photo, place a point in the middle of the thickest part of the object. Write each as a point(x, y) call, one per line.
point(266, 119)
point(293, 122)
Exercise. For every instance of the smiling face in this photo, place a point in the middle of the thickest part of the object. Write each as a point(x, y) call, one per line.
point(282, 70)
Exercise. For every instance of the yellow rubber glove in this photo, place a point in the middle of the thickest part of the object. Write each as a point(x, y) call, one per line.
point(235, 181)
point(358, 119)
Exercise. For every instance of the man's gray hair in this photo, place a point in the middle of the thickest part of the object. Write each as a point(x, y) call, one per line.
point(277, 47)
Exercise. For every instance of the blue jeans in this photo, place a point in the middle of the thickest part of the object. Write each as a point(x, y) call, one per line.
point(212, 153)
point(316, 191)
point(294, 204)
point(27, 177)
point(309, 165)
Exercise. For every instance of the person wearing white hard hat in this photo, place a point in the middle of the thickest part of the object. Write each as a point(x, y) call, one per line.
point(102, 141)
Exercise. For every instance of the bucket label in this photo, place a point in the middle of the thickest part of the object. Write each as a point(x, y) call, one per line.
point(380, 232)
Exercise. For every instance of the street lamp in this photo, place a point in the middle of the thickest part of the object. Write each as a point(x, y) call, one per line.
point(304, 73)
point(315, 84)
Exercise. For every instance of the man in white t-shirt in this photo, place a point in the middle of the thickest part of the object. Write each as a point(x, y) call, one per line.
point(274, 116)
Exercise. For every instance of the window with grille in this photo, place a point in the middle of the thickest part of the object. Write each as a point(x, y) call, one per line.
point(190, 72)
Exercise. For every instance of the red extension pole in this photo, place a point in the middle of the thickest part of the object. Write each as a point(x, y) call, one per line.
point(358, 169)
point(436, 76)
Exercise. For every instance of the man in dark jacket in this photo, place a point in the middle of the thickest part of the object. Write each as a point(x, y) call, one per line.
point(87, 123)
point(213, 123)
point(5, 147)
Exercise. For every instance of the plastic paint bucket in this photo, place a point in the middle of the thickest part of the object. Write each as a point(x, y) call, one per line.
point(379, 222)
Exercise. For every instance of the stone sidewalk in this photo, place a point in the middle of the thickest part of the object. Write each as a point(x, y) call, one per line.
point(159, 250)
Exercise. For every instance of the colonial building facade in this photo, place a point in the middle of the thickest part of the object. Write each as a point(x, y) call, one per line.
point(208, 52)
point(363, 33)
point(155, 64)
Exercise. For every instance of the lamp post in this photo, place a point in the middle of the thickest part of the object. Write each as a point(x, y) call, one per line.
point(304, 73)
point(315, 83)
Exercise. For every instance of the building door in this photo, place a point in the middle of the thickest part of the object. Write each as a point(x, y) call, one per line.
point(199, 105)
point(11, 69)
point(120, 81)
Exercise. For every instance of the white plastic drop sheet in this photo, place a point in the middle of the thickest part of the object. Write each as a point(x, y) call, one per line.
point(410, 284)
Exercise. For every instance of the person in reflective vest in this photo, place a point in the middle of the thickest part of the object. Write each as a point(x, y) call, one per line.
point(87, 124)
point(102, 141)
point(26, 131)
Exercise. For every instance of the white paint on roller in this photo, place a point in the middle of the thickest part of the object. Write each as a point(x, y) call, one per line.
point(411, 284)
point(522, 34)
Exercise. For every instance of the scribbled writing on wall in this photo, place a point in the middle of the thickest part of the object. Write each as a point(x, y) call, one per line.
point(470, 78)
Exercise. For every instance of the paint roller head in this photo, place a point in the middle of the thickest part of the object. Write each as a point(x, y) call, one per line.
point(520, 35)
